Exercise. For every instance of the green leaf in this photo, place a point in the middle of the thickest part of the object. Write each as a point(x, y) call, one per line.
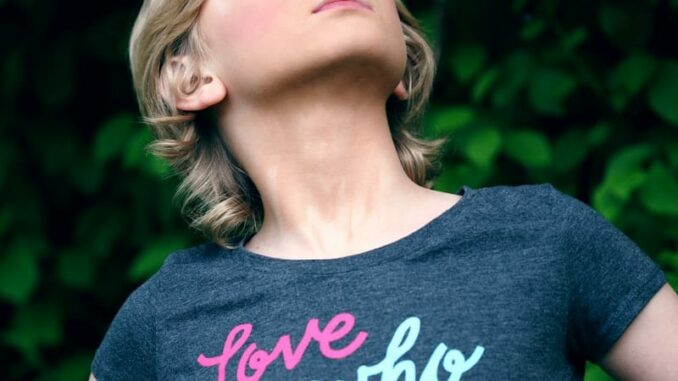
point(667, 258)
point(87, 176)
point(663, 94)
point(483, 84)
point(625, 171)
point(606, 202)
point(19, 270)
point(600, 132)
point(529, 148)
point(8, 157)
point(532, 29)
point(515, 74)
point(449, 119)
point(671, 151)
point(429, 22)
point(452, 177)
point(659, 193)
point(135, 151)
point(570, 149)
point(629, 77)
point(98, 228)
point(56, 148)
point(73, 367)
point(156, 167)
point(518, 5)
point(76, 268)
point(467, 60)
point(112, 137)
point(152, 256)
point(595, 373)
point(628, 25)
point(574, 38)
point(672, 280)
point(33, 327)
point(6, 218)
point(483, 145)
point(549, 89)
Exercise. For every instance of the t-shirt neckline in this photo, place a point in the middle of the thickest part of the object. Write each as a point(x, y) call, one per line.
point(416, 241)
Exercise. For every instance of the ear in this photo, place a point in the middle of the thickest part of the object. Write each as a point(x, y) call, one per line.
point(210, 91)
point(400, 91)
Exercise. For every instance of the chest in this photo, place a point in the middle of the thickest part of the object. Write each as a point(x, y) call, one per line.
point(415, 320)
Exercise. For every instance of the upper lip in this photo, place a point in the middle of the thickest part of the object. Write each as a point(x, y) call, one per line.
point(325, 2)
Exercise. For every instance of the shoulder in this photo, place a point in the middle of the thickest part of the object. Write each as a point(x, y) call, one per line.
point(184, 266)
point(518, 192)
point(178, 270)
point(529, 202)
point(203, 253)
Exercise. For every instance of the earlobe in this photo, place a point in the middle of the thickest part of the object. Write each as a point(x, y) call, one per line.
point(209, 92)
point(400, 91)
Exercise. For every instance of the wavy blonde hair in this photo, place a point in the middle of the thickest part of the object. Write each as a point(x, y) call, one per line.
point(220, 200)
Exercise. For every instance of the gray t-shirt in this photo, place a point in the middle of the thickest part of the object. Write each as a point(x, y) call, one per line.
point(511, 283)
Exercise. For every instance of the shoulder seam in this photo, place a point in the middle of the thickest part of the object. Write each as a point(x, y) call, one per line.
point(153, 290)
point(172, 257)
point(564, 229)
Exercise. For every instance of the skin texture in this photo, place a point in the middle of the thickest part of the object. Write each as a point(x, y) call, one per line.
point(302, 104)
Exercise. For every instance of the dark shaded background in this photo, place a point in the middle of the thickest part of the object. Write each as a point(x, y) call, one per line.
point(582, 94)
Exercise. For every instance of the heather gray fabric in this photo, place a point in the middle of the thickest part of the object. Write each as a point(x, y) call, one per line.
point(511, 283)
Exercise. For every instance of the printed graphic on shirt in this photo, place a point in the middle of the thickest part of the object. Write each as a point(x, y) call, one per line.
point(254, 362)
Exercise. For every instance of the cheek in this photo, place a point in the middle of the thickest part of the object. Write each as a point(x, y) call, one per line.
point(250, 21)
point(393, 16)
point(242, 31)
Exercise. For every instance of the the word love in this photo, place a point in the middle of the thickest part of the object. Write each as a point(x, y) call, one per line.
point(259, 360)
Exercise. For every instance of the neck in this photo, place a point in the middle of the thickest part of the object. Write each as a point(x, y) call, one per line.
point(325, 165)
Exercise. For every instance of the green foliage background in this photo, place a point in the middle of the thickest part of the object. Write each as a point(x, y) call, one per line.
point(581, 94)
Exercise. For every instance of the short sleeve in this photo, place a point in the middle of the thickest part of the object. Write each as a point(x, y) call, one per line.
point(127, 351)
point(610, 278)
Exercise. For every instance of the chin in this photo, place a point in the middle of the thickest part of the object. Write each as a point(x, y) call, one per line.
point(356, 42)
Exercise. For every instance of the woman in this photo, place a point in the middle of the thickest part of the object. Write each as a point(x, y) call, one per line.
point(296, 114)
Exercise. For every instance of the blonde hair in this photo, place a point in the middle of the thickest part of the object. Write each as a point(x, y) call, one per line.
point(221, 201)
